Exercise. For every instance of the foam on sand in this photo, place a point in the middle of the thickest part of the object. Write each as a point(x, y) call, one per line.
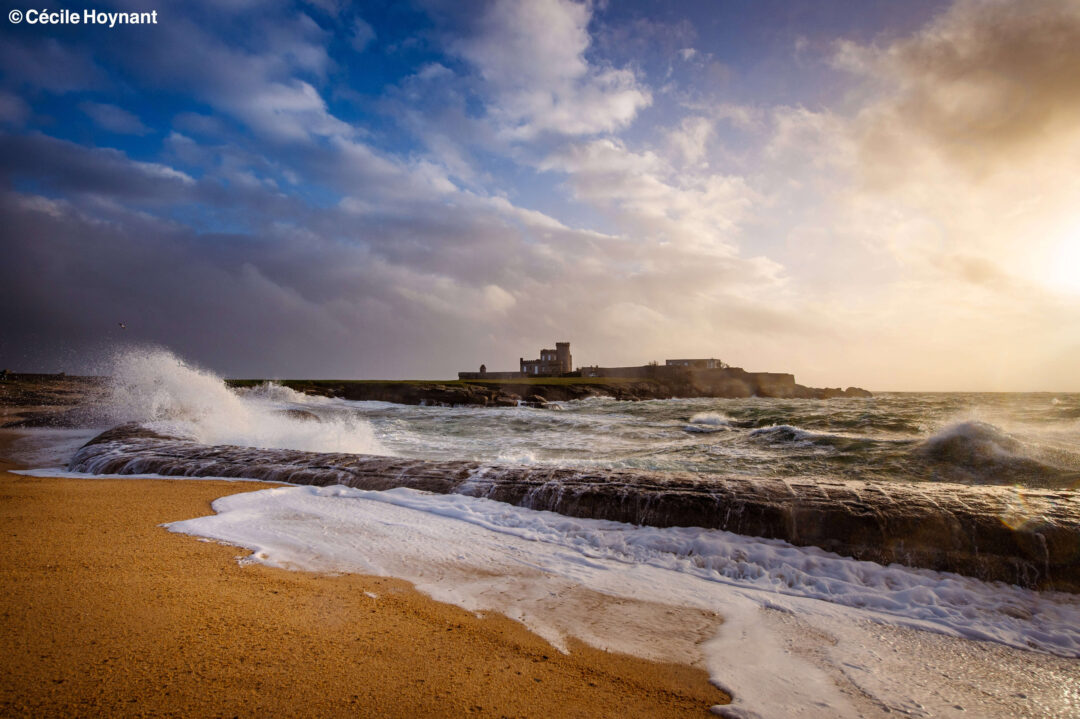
point(752, 610)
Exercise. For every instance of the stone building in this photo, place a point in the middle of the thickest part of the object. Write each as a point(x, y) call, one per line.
point(710, 363)
point(552, 363)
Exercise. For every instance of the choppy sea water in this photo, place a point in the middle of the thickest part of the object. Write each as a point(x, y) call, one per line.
point(1026, 439)
point(829, 636)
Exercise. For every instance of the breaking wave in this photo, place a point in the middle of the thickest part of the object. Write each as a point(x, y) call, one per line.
point(786, 434)
point(160, 391)
point(972, 443)
point(708, 422)
point(985, 454)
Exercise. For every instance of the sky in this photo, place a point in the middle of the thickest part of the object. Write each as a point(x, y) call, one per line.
point(859, 192)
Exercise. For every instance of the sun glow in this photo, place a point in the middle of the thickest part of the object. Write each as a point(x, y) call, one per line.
point(1063, 273)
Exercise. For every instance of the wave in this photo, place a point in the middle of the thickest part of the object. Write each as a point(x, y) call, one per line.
point(272, 391)
point(161, 391)
point(786, 435)
point(937, 526)
point(710, 418)
point(972, 442)
point(708, 422)
point(985, 454)
point(306, 527)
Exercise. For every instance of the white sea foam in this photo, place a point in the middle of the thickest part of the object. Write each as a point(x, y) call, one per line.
point(780, 649)
point(159, 390)
point(275, 392)
point(714, 419)
point(707, 423)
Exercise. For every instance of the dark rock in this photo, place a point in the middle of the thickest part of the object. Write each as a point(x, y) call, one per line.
point(947, 527)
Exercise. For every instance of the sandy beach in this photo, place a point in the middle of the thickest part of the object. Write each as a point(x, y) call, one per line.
point(107, 613)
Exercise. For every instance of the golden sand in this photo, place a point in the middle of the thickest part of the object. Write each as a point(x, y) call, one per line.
point(106, 613)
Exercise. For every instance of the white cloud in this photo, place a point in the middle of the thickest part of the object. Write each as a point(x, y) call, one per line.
point(805, 136)
point(498, 300)
point(292, 110)
point(114, 119)
point(157, 170)
point(266, 85)
point(651, 200)
point(689, 141)
point(531, 57)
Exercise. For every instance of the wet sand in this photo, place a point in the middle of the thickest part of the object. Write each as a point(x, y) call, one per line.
point(106, 613)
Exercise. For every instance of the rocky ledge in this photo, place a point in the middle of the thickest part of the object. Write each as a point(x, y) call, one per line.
point(1028, 537)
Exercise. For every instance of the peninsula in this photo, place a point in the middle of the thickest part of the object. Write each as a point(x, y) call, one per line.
point(552, 379)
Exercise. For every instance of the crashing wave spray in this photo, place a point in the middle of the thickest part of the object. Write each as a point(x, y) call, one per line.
point(163, 392)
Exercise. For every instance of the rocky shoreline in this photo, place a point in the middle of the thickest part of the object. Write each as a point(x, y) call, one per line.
point(538, 392)
point(58, 400)
point(30, 399)
point(976, 531)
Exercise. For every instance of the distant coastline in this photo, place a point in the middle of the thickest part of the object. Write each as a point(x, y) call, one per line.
point(59, 389)
point(729, 383)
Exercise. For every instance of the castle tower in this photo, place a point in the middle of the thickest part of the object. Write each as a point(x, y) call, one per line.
point(562, 355)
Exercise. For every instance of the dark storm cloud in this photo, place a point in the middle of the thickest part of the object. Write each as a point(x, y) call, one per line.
point(269, 236)
point(48, 64)
point(68, 167)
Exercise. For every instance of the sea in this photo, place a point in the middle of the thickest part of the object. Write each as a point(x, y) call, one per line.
point(788, 631)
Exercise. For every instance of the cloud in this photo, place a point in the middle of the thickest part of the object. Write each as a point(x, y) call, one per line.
point(67, 167)
point(408, 259)
point(291, 110)
point(940, 195)
point(513, 189)
point(820, 138)
point(540, 81)
point(983, 84)
point(690, 139)
point(13, 109)
point(49, 64)
point(651, 199)
point(362, 34)
point(266, 85)
point(114, 119)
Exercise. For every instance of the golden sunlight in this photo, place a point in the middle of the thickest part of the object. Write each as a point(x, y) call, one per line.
point(1063, 272)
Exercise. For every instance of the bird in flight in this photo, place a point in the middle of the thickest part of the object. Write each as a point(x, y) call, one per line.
point(122, 325)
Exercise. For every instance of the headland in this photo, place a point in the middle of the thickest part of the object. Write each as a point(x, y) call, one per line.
point(552, 378)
